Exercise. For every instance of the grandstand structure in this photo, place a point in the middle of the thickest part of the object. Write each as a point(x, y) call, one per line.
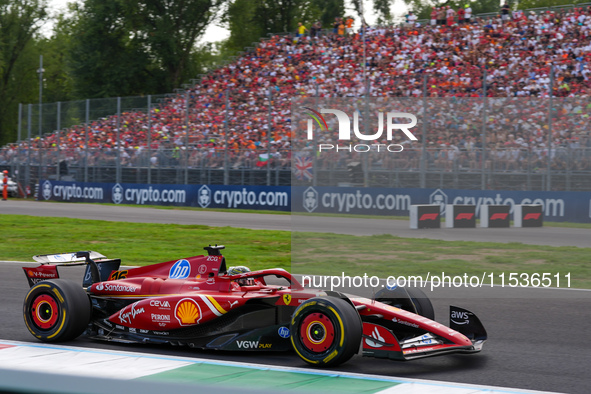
point(501, 105)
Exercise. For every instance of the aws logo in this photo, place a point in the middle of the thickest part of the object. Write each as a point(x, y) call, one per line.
point(460, 317)
point(344, 126)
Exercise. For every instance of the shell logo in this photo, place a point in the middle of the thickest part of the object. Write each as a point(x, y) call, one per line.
point(187, 312)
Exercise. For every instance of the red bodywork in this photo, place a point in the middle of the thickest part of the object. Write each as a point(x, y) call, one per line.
point(165, 303)
point(163, 299)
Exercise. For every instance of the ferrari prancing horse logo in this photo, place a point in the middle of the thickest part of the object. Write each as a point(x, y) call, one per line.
point(287, 299)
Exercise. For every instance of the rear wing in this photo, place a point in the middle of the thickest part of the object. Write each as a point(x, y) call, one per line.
point(98, 267)
point(66, 258)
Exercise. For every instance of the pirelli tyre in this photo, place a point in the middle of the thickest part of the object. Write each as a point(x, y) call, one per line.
point(56, 310)
point(411, 299)
point(326, 331)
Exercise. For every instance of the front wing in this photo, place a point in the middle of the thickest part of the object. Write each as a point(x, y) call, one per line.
point(393, 333)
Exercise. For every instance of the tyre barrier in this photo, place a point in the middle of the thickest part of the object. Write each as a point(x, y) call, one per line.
point(528, 216)
point(460, 216)
point(495, 216)
point(425, 216)
point(464, 216)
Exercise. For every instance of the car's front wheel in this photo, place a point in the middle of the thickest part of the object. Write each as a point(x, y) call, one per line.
point(411, 299)
point(326, 331)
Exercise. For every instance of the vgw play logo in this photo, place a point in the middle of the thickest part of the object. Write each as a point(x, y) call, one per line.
point(344, 122)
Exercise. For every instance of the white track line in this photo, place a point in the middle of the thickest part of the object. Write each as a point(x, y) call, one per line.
point(129, 365)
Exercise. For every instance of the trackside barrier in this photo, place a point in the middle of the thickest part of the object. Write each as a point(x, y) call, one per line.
point(425, 216)
point(528, 216)
point(460, 216)
point(382, 201)
point(495, 216)
point(274, 198)
point(556, 206)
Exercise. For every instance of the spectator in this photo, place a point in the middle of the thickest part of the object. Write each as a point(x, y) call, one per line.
point(450, 15)
point(441, 16)
point(467, 14)
point(335, 25)
point(349, 24)
point(461, 14)
point(411, 19)
point(301, 30)
point(518, 55)
point(314, 29)
point(433, 16)
point(341, 29)
point(505, 12)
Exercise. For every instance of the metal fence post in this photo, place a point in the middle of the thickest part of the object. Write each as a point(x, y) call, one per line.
point(87, 128)
point(315, 146)
point(149, 139)
point(40, 72)
point(59, 126)
point(483, 152)
point(269, 138)
point(569, 155)
point(18, 146)
point(423, 175)
point(365, 158)
point(226, 132)
point(549, 156)
point(118, 143)
point(39, 161)
point(20, 123)
point(28, 174)
point(528, 177)
point(187, 106)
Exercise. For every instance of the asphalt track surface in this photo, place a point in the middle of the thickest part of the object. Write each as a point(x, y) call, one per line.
point(538, 338)
point(354, 226)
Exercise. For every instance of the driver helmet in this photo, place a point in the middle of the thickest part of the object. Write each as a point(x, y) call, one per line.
point(240, 269)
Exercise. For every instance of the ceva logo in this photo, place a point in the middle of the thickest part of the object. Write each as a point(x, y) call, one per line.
point(344, 123)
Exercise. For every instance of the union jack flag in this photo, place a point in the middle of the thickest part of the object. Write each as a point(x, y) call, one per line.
point(303, 168)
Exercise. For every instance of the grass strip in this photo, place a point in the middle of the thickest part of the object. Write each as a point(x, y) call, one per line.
point(140, 243)
point(310, 253)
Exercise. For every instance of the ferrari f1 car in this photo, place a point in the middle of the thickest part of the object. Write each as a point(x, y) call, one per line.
point(195, 302)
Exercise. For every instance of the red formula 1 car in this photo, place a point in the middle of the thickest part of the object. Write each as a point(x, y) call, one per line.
point(194, 302)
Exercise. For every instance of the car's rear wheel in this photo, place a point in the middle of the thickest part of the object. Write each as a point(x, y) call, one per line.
point(56, 310)
point(326, 331)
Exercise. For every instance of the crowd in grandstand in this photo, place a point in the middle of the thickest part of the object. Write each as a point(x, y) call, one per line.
point(513, 52)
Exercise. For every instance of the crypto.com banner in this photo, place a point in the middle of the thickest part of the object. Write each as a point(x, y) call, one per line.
point(556, 206)
point(203, 196)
